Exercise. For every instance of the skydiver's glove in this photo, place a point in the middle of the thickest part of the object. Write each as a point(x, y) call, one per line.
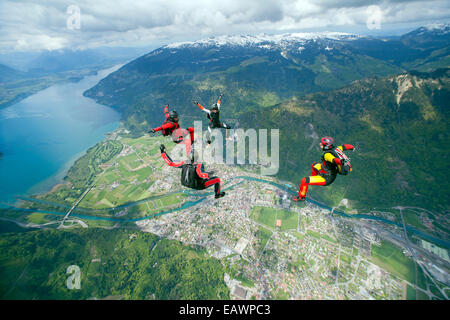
point(194, 101)
point(152, 131)
point(220, 96)
point(162, 148)
point(354, 148)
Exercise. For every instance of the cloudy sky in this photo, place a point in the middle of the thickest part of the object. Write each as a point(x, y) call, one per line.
point(37, 25)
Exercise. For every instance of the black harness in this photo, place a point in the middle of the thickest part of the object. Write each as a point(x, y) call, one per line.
point(214, 117)
point(190, 178)
point(331, 168)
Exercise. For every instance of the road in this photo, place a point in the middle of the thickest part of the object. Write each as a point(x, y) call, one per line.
point(74, 206)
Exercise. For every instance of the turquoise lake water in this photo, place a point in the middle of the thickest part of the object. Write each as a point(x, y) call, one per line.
point(43, 135)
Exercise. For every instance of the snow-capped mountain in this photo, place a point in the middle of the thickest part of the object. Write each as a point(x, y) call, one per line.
point(264, 40)
point(439, 28)
point(432, 34)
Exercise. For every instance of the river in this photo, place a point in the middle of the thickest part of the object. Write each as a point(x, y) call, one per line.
point(43, 135)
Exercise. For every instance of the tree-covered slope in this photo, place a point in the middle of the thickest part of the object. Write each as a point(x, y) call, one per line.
point(122, 264)
point(399, 125)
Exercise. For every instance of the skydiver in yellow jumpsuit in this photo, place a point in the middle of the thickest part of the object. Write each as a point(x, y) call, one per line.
point(325, 173)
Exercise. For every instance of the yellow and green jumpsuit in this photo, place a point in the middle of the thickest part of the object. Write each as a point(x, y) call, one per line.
point(323, 173)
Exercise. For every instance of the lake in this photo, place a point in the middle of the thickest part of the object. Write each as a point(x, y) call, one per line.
point(43, 135)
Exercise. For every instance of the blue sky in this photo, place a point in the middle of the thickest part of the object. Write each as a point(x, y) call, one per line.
point(51, 25)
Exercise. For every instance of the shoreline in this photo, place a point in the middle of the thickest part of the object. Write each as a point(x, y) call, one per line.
point(51, 181)
point(63, 171)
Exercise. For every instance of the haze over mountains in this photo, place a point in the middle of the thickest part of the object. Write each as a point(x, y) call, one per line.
point(45, 62)
point(398, 120)
point(25, 73)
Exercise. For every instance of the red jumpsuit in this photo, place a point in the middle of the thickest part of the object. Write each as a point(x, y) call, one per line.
point(202, 179)
point(173, 128)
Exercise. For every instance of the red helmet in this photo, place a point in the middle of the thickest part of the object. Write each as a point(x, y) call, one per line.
point(327, 142)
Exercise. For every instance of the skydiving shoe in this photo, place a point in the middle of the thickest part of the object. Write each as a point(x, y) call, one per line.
point(220, 195)
point(298, 198)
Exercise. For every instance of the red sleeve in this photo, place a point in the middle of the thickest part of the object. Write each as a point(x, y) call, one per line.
point(348, 147)
point(166, 111)
point(201, 174)
point(337, 161)
point(168, 125)
point(170, 163)
point(165, 126)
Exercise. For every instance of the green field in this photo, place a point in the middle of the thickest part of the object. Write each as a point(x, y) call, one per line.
point(314, 234)
point(412, 219)
point(264, 215)
point(412, 294)
point(281, 295)
point(289, 219)
point(37, 218)
point(268, 216)
point(391, 258)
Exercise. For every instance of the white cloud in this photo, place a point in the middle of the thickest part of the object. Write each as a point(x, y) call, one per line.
point(34, 25)
point(39, 42)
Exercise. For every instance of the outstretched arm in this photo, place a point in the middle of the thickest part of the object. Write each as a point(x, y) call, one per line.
point(165, 126)
point(167, 158)
point(219, 101)
point(201, 107)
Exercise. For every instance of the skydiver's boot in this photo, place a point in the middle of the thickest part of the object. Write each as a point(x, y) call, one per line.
point(303, 189)
point(220, 195)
